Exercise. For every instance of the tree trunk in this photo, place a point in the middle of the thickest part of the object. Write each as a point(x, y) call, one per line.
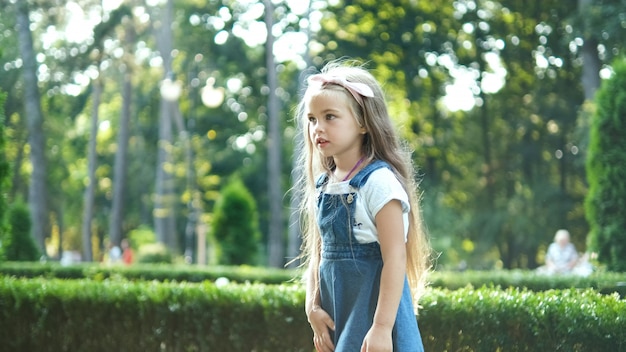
point(294, 235)
point(121, 154)
point(92, 161)
point(120, 165)
point(164, 221)
point(37, 190)
point(591, 61)
point(275, 236)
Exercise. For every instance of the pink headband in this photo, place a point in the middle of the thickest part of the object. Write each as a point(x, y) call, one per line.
point(358, 90)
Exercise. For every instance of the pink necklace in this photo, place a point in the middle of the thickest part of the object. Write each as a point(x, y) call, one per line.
point(354, 168)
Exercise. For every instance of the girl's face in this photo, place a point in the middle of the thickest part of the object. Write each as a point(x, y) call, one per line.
point(333, 128)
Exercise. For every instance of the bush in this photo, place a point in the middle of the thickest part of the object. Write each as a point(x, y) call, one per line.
point(235, 225)
point(605, 204)
point(141, 236)
point(602, 282)
point(488, 319)
point(20, 244)
point(154, 253)
point(147, 271)
point(86, 315)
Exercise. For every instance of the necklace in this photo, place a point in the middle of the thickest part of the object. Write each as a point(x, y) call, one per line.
point(354, 168)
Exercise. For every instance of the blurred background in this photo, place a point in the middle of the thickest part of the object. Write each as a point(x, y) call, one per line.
point(170, 123)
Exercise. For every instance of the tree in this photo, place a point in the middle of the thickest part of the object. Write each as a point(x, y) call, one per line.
point(37, 191)
point(164, 207)
point(496, 162)
point(276, 234)
point(605, 204)
point(21, 245)
point(121, 153)
point(235, 225)
point(4, 178)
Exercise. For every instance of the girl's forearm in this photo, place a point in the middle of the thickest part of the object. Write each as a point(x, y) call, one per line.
point(312, 290)
point(391, 286)
point(393, 250)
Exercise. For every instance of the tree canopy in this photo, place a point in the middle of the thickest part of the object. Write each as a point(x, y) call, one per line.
point(492, 96)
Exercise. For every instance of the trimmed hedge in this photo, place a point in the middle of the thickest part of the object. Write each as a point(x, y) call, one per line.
point(159, 272)
point(604, 282)
point(488, 319)
point(86, 315)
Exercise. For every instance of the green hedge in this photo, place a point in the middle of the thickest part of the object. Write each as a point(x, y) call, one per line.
point(115, 315)
point(519, 320)
point(87, 315)
point(158, 272)
point(604, 282)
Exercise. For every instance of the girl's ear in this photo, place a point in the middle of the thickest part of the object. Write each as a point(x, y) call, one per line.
point(363, 130)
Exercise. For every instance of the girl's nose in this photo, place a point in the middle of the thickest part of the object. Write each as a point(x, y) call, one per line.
point(318, 126)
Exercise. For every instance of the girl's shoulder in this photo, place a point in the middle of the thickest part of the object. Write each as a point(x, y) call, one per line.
point(381, 187)
point(382, 176)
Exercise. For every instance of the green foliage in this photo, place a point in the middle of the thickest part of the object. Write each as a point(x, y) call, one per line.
point(490, 174)
point(88, 315)
point(154, 253)
point(488, 319)
point(143, 271)
point(110, 315)
point(235, 225)
point(21, 244)
point(141, 236)
point(508, 170)
point(605, 204)
point(603, 282)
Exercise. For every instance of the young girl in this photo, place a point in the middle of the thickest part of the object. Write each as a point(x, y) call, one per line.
point(364, 244)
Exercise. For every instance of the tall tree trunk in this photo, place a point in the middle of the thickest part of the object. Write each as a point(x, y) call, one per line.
point(61, 227)
point(90, 191)
point(591, 61)
point(294, 235)
point(275, 235)
point(164, 220)
point(121, 154)
point(37, 190)
point(120, 165)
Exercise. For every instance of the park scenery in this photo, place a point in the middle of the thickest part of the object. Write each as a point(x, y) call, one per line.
point(151, 195)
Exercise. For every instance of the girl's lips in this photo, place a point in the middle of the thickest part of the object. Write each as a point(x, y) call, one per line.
point(321, 142)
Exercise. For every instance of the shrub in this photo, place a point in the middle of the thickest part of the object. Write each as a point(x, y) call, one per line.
point(21, 245)
point(235, 225)
point(141, 236)
point(154, 253)
point(109, 315)
point(605, 204)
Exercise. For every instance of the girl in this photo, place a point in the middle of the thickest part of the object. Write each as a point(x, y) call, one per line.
point(364, 244)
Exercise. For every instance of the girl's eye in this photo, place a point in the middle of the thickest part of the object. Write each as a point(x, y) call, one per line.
point(330, 117)
point(312, 119)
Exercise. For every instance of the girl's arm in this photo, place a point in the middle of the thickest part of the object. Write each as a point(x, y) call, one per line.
point(390, 227)
point(312, 293)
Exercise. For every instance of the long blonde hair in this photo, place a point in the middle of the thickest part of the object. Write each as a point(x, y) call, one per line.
point(381, 142)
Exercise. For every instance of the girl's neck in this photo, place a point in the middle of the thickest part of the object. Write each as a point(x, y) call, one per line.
point(345, 170)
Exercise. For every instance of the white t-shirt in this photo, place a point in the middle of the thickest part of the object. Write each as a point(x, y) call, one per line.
point(381, 187)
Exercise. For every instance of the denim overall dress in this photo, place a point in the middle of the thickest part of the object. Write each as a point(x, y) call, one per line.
point(350, 273)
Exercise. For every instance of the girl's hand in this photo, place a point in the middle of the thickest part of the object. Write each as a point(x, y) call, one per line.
point(378, 339)
point(322, 324)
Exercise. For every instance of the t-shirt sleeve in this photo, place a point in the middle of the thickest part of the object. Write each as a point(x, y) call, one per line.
point(383, 187)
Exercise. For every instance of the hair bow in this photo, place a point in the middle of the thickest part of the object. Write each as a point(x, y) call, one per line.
point(358, 90)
